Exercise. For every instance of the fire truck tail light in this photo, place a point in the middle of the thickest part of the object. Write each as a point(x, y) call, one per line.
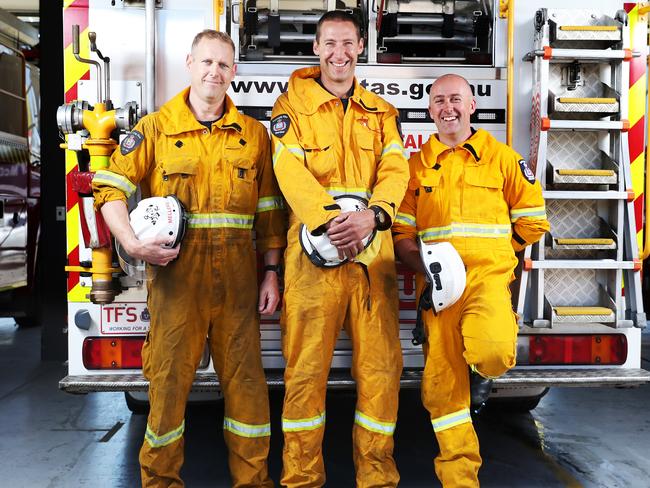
point(112, 352)
point(578, 349)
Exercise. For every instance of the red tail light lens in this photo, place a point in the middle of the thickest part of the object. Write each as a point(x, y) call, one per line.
point(112, 352)
point(553, 349)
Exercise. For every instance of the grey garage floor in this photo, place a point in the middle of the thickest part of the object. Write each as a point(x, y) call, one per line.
point(575, 437)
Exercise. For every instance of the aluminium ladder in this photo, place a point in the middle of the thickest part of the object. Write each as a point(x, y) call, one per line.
point(586, 269)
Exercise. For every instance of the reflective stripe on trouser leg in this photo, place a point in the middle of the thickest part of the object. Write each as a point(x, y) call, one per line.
point(451, 420)
point(165, 439)
point(234, 339)
point(308, 353)
point(373, 328)
point(299, 425)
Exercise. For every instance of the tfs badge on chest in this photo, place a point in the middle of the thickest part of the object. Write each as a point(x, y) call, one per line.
point(525, 170)
point(280, 125)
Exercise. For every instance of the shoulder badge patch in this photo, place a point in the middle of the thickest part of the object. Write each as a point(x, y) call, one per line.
point(280, 125)
point(131, 142)
point(525, 170)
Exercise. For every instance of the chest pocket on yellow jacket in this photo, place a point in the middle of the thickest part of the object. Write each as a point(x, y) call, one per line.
point(432, 200)
point(368, 155)
point(320, 159)
point(483, 200)
point(241, 186)
point(179, 176)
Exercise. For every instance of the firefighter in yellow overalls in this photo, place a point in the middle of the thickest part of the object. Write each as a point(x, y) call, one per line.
point(218, 164)
point(331, 137)
point(468, 189)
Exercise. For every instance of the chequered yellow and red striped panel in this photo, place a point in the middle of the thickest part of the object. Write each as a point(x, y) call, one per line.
point(637, 102)
point(74, 12)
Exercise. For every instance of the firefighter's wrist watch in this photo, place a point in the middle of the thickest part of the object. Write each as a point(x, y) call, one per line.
point(276, 268)
point(382, 220)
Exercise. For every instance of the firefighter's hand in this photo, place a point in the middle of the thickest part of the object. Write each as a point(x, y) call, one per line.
point(152, 251)
point(347, 231)
point(269, 294)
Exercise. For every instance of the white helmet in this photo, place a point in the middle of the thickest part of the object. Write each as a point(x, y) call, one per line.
point(445, 272)
point(153, 217)
point(319, 249)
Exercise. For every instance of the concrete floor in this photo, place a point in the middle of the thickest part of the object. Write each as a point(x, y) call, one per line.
point(575, 437)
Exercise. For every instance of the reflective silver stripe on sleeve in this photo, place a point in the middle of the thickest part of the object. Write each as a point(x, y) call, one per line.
point(406, 219)
point(116, 181)
point(535, 212)
point(265, 204)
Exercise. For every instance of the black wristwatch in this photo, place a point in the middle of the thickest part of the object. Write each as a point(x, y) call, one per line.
point(276, 268)
point(382, 220)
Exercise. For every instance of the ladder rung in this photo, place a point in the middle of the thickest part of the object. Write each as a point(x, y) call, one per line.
point(583, 54)
point(573, 311)
point(586, 172)
point(589, 28)
point(599, 101)
point(585, 195)
point(591, 241)
point(581, 264)
point(556, 124)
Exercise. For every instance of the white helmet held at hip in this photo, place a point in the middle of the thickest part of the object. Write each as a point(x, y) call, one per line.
point(319, 249)
point(153, 217)
point(445, 272)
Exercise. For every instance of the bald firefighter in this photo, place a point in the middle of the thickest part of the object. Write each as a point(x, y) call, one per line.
point(470, 190)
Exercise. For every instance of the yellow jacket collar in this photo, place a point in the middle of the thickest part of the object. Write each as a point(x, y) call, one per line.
point(475, 146)
point(306, 95)
point(176, 116)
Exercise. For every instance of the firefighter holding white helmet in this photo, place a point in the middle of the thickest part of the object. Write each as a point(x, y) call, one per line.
point(470, 190)
point(217, 162)
point(331, 138)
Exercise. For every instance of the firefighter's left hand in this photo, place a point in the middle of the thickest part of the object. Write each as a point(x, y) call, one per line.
point(348, 229)
point(269, 294)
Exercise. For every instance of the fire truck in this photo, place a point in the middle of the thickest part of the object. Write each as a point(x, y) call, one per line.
point(565, 88)
point(20, 188)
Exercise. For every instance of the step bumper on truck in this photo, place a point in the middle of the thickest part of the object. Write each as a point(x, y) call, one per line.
point(518, 377)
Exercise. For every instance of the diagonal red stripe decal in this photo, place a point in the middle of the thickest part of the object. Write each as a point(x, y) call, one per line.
point(75, 14)
point(73, 276)
point(637, 69)
point(636, 137)
point(638, 212)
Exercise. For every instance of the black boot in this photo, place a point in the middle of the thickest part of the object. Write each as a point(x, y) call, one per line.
point(479, 389)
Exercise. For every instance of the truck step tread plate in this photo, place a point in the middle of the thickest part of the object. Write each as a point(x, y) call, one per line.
point(528, 377)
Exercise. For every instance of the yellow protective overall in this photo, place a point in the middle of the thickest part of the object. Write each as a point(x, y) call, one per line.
point(320, 151)
point(482, 198)
point(223, 177)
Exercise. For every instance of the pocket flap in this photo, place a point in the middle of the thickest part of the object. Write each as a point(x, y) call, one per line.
point(483, 179)
point(187, 165)
point(365, 138)
point(242, 163)
point(430, 178)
